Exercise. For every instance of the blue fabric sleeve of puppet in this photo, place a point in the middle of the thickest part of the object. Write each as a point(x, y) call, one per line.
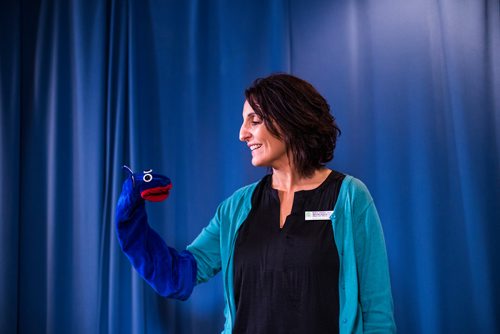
point(169, 272)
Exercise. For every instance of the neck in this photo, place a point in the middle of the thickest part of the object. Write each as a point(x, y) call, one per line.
point(287, 179)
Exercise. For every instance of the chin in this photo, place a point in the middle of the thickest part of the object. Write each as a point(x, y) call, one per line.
point(258, 163)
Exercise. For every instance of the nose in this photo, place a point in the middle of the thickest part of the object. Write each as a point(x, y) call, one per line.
point(244, 133)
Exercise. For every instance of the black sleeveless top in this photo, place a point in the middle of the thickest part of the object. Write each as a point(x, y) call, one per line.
point(286, 280)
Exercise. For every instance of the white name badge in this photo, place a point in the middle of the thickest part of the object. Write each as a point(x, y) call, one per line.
point(318, 215)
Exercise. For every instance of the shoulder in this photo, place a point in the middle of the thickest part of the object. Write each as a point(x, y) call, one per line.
point(240, 198)
point(242, 193)
point(355, 186)
point(355, 192)
point(233, 210)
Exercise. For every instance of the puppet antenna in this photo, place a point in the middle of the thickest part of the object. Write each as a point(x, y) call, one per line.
point(128, 169)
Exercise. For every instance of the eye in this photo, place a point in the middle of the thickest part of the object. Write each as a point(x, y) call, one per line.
point(255, 120)
point(147, 177)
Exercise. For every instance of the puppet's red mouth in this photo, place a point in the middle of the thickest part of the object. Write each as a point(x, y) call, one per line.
point(157, 194)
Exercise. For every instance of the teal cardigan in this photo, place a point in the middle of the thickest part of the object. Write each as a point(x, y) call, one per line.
point(364, 286)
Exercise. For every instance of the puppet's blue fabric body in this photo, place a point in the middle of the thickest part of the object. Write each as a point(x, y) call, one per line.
point(169, 272)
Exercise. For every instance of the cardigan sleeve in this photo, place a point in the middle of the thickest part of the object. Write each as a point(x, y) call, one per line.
point(206, 250)
point(375, 295)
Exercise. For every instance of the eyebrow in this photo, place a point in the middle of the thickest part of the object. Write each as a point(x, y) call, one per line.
point(253, 115)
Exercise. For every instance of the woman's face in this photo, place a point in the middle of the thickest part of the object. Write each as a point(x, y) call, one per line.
point(267, 150)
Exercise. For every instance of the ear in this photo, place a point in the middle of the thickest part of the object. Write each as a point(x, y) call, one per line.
point(131, 173)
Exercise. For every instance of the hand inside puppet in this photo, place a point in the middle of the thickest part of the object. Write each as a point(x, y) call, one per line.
point(169, 272)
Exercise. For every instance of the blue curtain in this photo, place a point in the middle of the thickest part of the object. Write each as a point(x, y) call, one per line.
point(89, 85)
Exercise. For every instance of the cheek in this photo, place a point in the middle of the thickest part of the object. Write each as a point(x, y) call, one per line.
point(277, 145)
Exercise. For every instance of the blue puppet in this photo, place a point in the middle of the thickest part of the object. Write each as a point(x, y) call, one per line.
point(169, 272)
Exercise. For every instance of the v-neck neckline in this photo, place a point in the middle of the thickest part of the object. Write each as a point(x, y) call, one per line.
point(299, 197)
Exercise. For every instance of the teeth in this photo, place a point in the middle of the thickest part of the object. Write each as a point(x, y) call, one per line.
point(254, 147)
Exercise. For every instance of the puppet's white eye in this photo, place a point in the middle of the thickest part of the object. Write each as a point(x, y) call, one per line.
point(147, 177)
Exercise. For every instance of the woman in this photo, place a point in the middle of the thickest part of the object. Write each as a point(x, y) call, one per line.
point(301, 251)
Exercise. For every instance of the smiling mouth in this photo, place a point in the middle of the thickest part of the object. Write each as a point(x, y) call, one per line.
point(254, 147)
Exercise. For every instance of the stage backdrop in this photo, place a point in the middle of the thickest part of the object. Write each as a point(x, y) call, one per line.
point(89, 85)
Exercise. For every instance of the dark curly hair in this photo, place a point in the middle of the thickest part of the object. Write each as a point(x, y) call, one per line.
point(294, 111)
